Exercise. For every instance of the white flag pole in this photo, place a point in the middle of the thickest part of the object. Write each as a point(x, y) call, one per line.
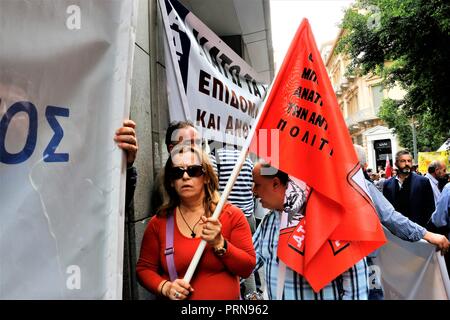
point(237, 168)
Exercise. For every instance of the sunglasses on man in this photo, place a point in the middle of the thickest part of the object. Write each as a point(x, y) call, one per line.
point(192, 171)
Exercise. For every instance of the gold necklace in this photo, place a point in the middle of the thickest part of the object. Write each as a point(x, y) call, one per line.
point(193, 234)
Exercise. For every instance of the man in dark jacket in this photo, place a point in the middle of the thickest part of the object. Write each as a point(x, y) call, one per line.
point(409, 193)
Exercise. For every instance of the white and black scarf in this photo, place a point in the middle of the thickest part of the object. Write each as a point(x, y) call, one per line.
point(294, 201)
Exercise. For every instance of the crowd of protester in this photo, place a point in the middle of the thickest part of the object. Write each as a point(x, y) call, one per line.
point(240, 259)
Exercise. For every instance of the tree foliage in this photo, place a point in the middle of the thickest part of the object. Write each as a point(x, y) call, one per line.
point(428, 138)
point(414, 37)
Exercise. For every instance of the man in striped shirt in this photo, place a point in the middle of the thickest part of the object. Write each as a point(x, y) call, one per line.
point(271, 189)
point(241, 194)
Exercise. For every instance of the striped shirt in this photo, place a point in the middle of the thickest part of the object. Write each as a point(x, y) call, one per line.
point(350, 285)
point(241, 194)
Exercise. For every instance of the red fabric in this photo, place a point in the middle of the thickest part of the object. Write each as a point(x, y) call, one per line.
point(388, 169)
point(215, 278)
point(315, 146)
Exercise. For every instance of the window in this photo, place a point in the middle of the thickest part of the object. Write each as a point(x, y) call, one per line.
point(377, 96)
point(359, 139)
point(336, 75)
point(353, 105)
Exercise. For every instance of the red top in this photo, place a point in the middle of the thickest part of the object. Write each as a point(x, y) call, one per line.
point(216, 278)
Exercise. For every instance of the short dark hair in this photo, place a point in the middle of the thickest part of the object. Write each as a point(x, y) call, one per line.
point(402, 153)
point(176, 125)
point(283, 176)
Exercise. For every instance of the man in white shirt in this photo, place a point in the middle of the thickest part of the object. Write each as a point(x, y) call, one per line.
point(436, 171)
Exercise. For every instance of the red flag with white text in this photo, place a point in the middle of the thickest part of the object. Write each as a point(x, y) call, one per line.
point(311, 142)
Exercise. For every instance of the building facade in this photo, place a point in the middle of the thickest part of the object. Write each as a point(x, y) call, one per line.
point(360, 99)
point(245, 26)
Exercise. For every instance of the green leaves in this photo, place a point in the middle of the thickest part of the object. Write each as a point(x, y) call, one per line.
point(414, 35)
point(398, 116)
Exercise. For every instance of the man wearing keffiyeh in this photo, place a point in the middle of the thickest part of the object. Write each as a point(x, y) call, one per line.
point(287, 200)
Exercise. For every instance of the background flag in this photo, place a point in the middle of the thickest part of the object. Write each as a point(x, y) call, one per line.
point(388, 169)
point(340, 225)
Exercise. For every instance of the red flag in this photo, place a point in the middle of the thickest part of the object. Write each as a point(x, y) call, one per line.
point(340, 225)
point(388, 169)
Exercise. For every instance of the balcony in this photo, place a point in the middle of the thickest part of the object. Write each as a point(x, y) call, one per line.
point(344, 84)
point(337, 90)
point(359, 117)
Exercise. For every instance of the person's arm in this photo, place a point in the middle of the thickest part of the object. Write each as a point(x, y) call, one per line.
point(149, 263)
point(240, 256)
point(401, 226)
point(440, 241)
point(396, 223)
point(126, 140)
point(440, 217)
point(130, 186)
point(149, 266)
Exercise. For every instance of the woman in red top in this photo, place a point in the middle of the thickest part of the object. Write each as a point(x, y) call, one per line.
point(192, 188)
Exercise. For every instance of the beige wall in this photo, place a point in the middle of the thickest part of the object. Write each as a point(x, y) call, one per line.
point(359, 102)
point(149, 111)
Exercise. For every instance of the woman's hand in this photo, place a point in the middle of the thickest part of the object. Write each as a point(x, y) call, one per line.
point(211, 232)
point(177, 290)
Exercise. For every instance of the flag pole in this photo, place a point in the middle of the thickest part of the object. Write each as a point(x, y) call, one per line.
point(237, 168)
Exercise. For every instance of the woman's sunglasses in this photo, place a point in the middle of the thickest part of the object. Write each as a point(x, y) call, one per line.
point(192, 171)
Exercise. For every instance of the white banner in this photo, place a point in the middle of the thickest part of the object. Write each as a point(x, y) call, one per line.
point(65, 70)
point(207, 82)
point(412, 270)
